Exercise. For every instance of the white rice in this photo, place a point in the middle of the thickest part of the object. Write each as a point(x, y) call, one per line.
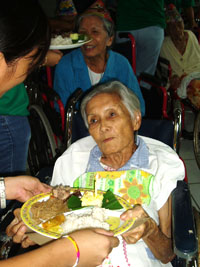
point(93, 218)
point(59, 40)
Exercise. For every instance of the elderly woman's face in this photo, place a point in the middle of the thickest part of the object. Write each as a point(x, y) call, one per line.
point(93, 26)
point(176, 29)
point(110, 123)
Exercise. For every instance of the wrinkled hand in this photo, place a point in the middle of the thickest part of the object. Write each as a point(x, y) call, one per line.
point(22, 188)
point(94, 244)
point(175, 82)
point(17, 230)
point(143, 230)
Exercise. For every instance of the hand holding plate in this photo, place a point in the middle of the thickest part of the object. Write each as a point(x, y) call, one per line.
point(100, 245)
point(143, 226)
point(22, 188)
point(17, 230)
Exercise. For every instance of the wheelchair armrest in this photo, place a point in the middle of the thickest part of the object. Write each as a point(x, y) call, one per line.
point(183, 226)
point(164, 61)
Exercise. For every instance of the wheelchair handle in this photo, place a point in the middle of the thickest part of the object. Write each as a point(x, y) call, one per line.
point(177, 106)
point(70, 110)
point(75, 97)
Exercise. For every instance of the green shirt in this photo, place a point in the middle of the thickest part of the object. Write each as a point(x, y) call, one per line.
point(15, 101)
point(138, 14)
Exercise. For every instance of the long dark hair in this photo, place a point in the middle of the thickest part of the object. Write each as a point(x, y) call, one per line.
point(23, 27)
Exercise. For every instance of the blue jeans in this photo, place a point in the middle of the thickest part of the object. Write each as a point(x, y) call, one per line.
point(148, 44)
point(15, 135)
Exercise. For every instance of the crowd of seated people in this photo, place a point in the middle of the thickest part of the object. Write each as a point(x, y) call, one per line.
point(112, 111)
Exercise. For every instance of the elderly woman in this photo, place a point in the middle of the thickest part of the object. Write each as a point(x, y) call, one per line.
point(93, 63)
point(182, 49)
point(141, 170)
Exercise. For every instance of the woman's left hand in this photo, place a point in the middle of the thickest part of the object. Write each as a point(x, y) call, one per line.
point(17, 230)
point(143, 230)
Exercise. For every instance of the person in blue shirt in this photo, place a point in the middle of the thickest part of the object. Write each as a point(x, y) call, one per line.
point(94, 63)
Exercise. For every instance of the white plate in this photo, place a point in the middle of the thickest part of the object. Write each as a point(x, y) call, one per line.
point(69, 46)
point(116, 225)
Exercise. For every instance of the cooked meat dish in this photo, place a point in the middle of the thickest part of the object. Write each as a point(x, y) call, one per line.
point(42, 211)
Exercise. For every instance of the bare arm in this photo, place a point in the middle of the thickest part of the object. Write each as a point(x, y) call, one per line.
point(160, 239)
point(55, 254)
point(157, 238)
point(94, 246)
point(189, 13)
point(53, 57)
point(22, 188)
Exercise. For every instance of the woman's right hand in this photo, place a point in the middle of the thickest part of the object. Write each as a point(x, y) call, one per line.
point(94, 245)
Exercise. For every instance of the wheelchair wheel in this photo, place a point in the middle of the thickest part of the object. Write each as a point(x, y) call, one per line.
point(196, 139)
point(42, 147)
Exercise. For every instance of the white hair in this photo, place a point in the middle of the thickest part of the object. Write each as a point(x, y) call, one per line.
point(128, 98)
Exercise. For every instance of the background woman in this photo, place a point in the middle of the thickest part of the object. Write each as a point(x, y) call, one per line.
point(93, 63)
point(182, 49)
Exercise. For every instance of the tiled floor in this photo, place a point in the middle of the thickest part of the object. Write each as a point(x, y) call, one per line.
point(193, 172)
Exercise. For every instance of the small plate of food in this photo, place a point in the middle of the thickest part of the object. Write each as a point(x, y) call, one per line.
point(69, 41)
point(66, 209)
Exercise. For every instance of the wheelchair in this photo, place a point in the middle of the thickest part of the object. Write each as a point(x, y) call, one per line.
point(50, 134)
point(183, 223)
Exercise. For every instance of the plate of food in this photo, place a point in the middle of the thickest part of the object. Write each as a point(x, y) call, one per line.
point(66, 209)
point(69, 41)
